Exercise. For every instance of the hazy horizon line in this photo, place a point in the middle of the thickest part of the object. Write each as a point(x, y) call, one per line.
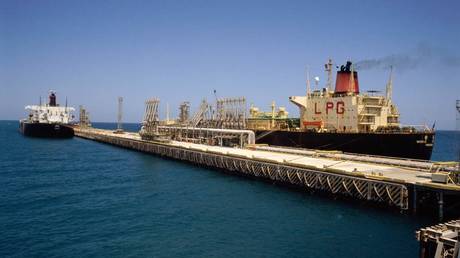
point(114, 122)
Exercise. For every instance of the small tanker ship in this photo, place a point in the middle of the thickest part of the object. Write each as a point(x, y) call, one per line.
point(49, 120)
point(343, 119)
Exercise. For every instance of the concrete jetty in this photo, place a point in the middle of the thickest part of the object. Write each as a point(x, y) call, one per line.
point(393, 182)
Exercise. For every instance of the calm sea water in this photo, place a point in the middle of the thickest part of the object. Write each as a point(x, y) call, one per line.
point(74, 198)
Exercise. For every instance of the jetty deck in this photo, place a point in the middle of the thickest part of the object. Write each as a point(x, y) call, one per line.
point(393, 182)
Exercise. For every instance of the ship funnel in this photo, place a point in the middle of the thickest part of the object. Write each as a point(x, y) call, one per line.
point(345, 83)
point(52, 102)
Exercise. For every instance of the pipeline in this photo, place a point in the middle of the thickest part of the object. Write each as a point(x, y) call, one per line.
point(250, 135)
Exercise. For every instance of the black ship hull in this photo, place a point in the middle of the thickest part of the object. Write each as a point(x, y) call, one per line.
point(403, 145)
point(46, 130)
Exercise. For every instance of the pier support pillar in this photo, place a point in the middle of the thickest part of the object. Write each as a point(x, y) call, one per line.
point(422, 250)
point(414, 200)
point(441, 205)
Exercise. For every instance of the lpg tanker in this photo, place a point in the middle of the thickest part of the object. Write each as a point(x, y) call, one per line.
point(343, 119)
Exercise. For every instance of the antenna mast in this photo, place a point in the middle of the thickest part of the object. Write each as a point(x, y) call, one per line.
point(215, 95)
point(120, 115)
point(167, 112)
point(458, 114)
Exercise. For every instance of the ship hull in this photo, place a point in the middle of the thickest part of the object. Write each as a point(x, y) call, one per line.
point(46, 130)
point(403, 145)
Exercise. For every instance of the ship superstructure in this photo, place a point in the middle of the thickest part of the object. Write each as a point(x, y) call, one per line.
point(347, 120)
point(48, 120)
point(51, 112)
point(345, 109)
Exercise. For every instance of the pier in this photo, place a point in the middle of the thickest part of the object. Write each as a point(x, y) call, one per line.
point(440, 241)
point(400, 183)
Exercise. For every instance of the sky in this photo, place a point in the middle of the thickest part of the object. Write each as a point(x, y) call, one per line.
point(94, 51)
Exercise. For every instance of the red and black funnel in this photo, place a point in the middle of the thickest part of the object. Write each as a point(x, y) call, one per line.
point(52, 97)
point(344, 82)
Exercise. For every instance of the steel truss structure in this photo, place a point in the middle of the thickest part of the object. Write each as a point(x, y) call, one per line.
point(150, 123)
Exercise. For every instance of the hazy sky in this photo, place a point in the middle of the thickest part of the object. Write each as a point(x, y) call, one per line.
point(94, 51)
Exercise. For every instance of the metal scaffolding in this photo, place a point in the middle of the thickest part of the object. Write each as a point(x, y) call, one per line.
point(149, 129)
point(84, 117)
point(231, 113)
point(184, 112)
point(202, 116)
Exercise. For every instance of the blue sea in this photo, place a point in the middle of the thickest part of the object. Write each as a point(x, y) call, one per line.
point(78, 198)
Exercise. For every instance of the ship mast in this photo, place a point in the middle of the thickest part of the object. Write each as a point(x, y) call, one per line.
point(307, 75)
point(328, 69)
point(389, 88)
